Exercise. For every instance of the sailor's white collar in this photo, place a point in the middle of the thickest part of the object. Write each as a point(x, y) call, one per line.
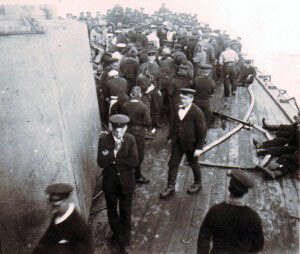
point(118, 140)
point(65, 215)
point(235, 201)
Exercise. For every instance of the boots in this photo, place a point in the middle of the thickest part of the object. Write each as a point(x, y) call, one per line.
point(195, 188)
point(169, 191)
point(256, 144)
point(261, 152)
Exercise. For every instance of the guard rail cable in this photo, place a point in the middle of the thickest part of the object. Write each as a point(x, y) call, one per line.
point(283, 97)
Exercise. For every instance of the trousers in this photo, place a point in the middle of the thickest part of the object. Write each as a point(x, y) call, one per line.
point(120, 223)
point(230, 79)
point(177, 152)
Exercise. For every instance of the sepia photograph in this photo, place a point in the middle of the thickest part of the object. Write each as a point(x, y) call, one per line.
point(149, 127)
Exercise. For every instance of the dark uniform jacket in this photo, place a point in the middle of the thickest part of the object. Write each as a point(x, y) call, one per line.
point(190, 49)
point(119, 168)
point(139, 115)
point(74, 231)
point(167, 67)
point(117, 87)
point(246, 72)
point(234, 230)
point(191, 131)
point(189, 69)
point(129, 67)
point(154, 71)
point(204, 87)
point(177, 83)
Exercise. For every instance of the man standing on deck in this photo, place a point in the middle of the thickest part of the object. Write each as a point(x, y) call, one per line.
point(227, 61)
point(117, 155)
point(67, 232)
point(187, 133)
point(154, 72)
point(139, 115)
point(233, 227)
point(204, 86)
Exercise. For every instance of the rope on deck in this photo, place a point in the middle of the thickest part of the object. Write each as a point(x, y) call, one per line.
point(234, 130)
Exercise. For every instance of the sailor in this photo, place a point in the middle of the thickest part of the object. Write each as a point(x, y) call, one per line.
point(199, 57)
point(204, 86)
point(116, 85)
point(247, 75)
point(167, 67)
point(153, 69)
point(184, 73)
point(68, 232)
point(191, 45)
point(227, 61)
point(129, 67)
point(286, 143)
point(117, 155)
point(233, 227)
point(139, 115)
point(187, 134)
point(97, 43)
point(152, 37)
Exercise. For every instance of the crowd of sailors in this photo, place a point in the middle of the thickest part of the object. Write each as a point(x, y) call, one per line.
point(154, 70)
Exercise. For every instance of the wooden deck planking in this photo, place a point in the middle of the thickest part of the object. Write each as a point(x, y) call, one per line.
point(144, 220)
point(278, 231)
point(164, 230)
point(172, 226)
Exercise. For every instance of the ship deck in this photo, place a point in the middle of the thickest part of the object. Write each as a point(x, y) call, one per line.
point(172, 225)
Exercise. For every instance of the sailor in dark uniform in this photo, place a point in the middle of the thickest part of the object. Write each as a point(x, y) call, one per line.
point(233, 227)
point(68, 232)
point(187, 133)
point(139, 115)
point(117, 155)
point(153, 69)
point(247, 75)
point(204, 86)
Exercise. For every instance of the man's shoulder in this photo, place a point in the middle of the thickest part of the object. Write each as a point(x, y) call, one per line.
point(128, 137)
point(196, 110)
point(105, 137)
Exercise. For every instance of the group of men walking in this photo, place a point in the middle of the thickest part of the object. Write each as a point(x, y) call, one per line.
point(163, 69)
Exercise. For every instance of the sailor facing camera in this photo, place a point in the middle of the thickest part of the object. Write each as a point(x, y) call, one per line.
point(117, 155)
point(233, 227)
point(68, 232)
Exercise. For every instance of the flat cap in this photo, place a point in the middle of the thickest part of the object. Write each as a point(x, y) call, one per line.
point(205, 66)
point(119, 120)
point(242, 179)
point(58, 191)
point(187, 91)
point(183, 66)
point(151, 52)
point(177, 45)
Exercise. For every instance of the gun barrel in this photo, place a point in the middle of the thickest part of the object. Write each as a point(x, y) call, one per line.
point(232, 118)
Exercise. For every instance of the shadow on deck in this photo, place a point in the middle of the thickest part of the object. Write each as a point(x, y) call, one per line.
point(171, 226)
